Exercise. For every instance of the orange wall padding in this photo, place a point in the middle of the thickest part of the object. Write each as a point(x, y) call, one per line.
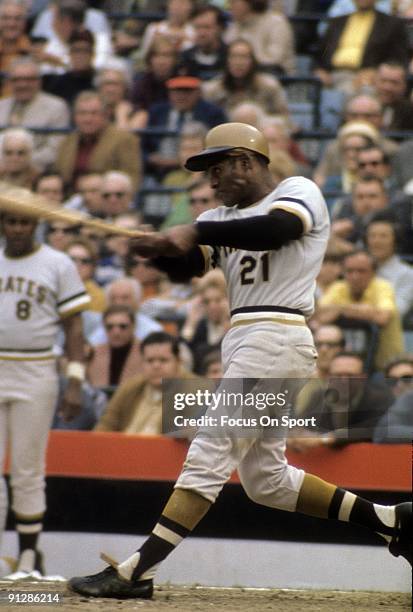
point(120, 456)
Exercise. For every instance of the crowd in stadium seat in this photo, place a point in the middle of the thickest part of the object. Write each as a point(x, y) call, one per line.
point(102, 103)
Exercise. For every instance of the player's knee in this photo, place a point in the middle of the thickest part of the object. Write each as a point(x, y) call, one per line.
point(263, 489)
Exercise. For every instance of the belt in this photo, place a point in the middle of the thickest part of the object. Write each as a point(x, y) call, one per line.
point(251, 309)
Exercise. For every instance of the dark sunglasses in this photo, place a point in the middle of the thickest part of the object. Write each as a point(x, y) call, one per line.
point(117, 194)
point(82, 260)
point(393, 380)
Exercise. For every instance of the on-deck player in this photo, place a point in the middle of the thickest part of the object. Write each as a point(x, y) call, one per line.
point(270, 243)
point(39, 288)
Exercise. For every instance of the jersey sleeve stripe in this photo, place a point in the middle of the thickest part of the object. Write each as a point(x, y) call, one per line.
point(72, 297)
point(303, 216)
point(298, 201)
point(75, 304)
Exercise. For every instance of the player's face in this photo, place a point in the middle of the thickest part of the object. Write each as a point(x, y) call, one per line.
point(19, 234)
point(234, 179)
point(159, 362)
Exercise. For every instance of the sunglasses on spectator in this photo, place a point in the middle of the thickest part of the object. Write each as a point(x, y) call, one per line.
point(19, 152)
point(373, 162)
point(17, 79)
point(328, 344)
point(123, 326)
point(116, 194)
point(393, 380)
point(200, 200)
point(62, 230)
point(82, 260)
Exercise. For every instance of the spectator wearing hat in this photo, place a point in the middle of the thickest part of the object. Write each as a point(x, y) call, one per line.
point(352, 137)
point(185, 104)
point(363, 107)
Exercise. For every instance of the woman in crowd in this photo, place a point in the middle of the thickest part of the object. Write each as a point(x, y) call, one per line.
point(208, 320)
point(149, 86)
point(113, 82)
point(352, 137)
point(242, 81)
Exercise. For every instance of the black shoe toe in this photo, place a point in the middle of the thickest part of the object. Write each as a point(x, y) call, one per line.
point(109, 584)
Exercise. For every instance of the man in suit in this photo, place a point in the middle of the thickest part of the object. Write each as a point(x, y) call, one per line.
point(354, 45)
point(95, 145)
point(29, 107)
point(185, 104)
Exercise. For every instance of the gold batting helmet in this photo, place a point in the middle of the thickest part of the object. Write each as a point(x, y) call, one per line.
point(227, 137)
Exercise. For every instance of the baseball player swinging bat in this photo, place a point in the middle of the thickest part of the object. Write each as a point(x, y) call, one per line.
point(19, 200)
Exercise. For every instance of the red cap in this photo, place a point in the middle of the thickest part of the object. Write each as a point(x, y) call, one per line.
point(183, 82)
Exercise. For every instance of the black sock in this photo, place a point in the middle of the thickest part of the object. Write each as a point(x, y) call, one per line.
point(166, 535)
point(346, 506)
point(28, 530)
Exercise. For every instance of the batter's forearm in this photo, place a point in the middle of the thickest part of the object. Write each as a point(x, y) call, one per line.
point(261, 233)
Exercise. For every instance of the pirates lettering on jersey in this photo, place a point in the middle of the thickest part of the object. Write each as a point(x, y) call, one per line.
point(23, 287)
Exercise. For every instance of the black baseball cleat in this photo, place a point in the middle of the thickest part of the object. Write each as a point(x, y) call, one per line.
point(108, 583)
point(401, 543)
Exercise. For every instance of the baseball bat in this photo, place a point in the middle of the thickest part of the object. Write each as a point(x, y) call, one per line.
point(18, 200)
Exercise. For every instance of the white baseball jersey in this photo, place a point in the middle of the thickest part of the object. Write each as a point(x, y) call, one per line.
point(36, 291)
point(284, 277)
